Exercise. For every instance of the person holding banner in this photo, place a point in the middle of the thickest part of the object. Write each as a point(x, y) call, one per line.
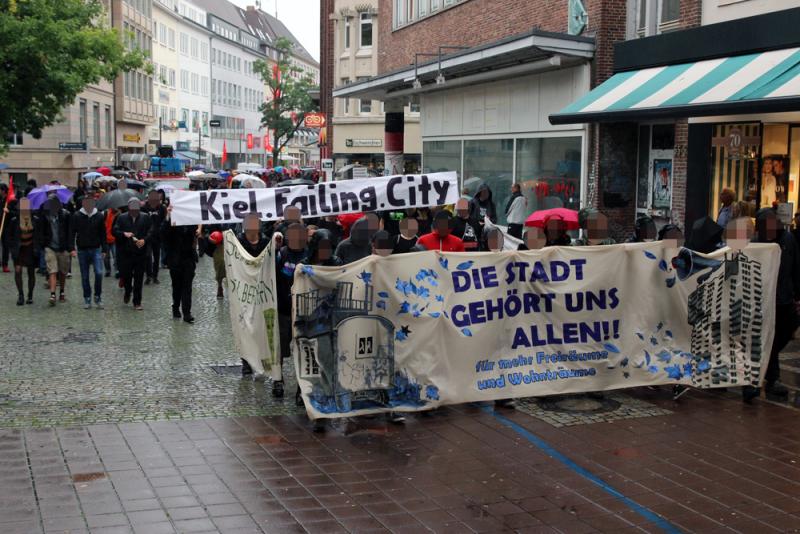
point(357, 246)
point(320, 250)
point(286, 261)
point(533, 239)
point(407, 240)
point(254, 242)
point(595, 228)
point(463, 228)
point(441, 238)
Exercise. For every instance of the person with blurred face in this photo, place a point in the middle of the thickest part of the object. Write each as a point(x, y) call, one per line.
point(463, 227)
point(595, 228)
point(286, 261)
point(407, 239)
point(180, 243)
point(533, 239)
point(738, 233)
point(770, 230)
point(132, 232)
point(22, 225)
point(359, 244)
point(671, 235)
point(726, 198)
point(251, 237)
point(320, 249)
point(555, 230)
point(441, 238)
point(644, 230)
point(54, 240)
point(494, 240)
point(382, 244)
point(87, 242)
point(157, 211)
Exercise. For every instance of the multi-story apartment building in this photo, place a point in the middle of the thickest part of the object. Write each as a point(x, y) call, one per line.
point(81, 140)
point(358, 124)
point(133, 91)
point(182, 57)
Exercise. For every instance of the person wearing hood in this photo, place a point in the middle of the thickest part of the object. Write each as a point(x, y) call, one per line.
point(87, 242)
point(320, 249)
point(358, 245)
point(706, 236)
point(770, 230)
point(595, 228)
point(555, 230)
point(516, 211)
point(482, 206)
point(463, 227)
point(643, 230)
point(286, 261)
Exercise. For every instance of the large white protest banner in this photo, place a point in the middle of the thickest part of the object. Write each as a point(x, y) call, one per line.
point(413, 331)
point(220, 206)
point(253, 306)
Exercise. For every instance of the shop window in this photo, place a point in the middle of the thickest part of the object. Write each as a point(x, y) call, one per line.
point(655, 169)
point(489, 161)
point(735, 159)
point(366, 31)
point(549, 172)
point(442, 156)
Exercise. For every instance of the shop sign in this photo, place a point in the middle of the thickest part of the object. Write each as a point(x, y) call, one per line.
point(355, 143)
point(72, 146)
point(249, 141)
point(215, 123)
point(327, 164)
point(132, 138)
point(315, 120)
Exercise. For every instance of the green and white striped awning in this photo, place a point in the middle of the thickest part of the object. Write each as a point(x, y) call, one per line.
point(753, 83)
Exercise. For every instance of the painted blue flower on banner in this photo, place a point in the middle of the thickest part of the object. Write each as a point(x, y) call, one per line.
point(663, 265)
point(405, 307)
point(650, 255)
point(403, 333)
point(443, 262)
point(674, 371)
point(307, 270)
point(466, 331)
point(463, 266)
point(381, 305)
point(432, 392)
point(365, 277)
point(383, 294)
point(610, 347)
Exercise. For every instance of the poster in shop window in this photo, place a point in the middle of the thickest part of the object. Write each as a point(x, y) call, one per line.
point(662, 183)
point(414, 331)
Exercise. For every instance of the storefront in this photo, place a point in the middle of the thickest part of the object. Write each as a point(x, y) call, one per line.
point(483, 114)
point(709, 108)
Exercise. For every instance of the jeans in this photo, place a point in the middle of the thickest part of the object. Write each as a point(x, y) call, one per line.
point(91, 257)
point(107, 261)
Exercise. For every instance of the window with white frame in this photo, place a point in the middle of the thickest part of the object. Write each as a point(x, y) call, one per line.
point(365, 32)
point(195, 48)
point(162, 35)
point(155, 30)
point(184, 80)
point(365, 107)
point(654, 16)
point(184, 44)
point(204, 52)
point(346, 34)
point(204, 86)
point(408, 11)
point(163, 75)
point(195, 83)
point(172, 78)
point(171, 33)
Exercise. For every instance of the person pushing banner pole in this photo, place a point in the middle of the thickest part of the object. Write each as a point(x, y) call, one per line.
point(223, 206)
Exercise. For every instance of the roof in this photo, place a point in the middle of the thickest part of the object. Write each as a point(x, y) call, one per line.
point(511, 56)
point(263, 24)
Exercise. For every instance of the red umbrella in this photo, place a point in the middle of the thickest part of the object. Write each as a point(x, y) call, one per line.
point(540, 218)
point(105, 171)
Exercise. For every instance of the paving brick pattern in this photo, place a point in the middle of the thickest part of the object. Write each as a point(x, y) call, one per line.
point(66, 365)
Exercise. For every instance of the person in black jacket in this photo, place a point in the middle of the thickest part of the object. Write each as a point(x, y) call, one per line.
point(254, 242)
point(481, 206)
point(158, 213)
point(54, 241)
point(132, 231)
point(180, 243)
point(87, 242)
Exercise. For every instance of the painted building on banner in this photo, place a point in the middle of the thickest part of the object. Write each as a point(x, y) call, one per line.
point(133, 91)
point(704, 97)
point(358, 124)
point(84, 139)
point(182, 57)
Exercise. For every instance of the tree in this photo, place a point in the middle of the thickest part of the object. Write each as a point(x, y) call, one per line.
point(50, 50)
point(289, 101)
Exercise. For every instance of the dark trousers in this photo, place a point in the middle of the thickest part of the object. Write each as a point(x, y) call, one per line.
point(285, 329)
point(131, 269)
point(153, 259)
point(785, 323)
point(182, 277)
point(515, 230)
point(6, 252)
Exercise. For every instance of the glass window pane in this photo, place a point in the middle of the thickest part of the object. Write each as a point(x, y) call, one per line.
point(549, 171)
point(489, 161)
point(441, 156)
point(670, 10)
point(642, 185)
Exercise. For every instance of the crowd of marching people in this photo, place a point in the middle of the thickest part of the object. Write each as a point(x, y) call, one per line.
point(135, 240)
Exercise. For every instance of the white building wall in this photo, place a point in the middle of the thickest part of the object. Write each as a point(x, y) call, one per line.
point(195, 69)
point(166, 27)
point(723, 10)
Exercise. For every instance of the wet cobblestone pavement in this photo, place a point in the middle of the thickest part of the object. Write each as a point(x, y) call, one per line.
point(67, 366)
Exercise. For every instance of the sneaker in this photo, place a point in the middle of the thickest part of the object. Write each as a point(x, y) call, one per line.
point(246, 369)
point(69, 275)
point(147, 281)
point(396, 418)
point(277, 389)
point(188, 319)
point(138, 307)
point(98, 303)
point(52, 299)
point(30, 300)
point(62, 298)
point(87, 305)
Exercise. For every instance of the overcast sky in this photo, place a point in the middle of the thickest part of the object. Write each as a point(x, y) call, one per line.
point(300, 16)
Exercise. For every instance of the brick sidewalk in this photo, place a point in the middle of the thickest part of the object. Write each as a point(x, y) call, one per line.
point(713, 465)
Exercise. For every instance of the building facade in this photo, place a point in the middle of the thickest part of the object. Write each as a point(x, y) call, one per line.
point(133, 91)
point(83, 139)
point(358, 124)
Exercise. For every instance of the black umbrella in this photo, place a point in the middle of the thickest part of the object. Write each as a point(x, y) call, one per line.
point(136, 184)
point(116, 199)
point(297, 181)
point(705, 237)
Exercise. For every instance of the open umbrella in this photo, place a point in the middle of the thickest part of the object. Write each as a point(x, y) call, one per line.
point(39, 195)
point(540, 218)
point(297, 181)
point(135, 184)
point(105, 171)
point(92, 175)
point(116, 199)
point(192, 174)
point(204, 176)
point(199, 167)
point(251, 182)
point(166, 188)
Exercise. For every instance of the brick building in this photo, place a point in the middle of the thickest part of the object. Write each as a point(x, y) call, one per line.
point(498, 83)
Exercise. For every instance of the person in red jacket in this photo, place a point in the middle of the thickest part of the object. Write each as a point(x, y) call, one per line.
point(441, 238)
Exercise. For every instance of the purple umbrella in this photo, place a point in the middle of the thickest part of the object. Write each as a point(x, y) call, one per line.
point(40, 195)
